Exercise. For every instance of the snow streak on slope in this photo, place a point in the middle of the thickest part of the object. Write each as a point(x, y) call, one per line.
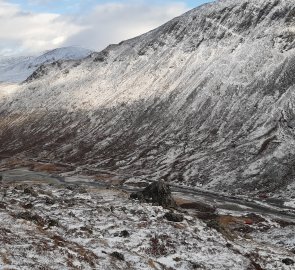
point(7, 89)
point(17, 69)
point(206, 99)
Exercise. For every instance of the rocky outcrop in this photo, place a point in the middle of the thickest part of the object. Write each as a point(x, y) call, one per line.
point(157, 193)
point(118, 256)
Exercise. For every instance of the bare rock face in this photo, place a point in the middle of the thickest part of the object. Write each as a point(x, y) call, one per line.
point(157, 193)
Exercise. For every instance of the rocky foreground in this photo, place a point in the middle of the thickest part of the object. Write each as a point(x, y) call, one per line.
point(51, 226)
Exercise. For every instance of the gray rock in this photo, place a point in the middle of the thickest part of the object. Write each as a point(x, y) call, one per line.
point(158, 193)
point(124, 234)
point(288, 261)
point(118, 256)
point(30, 191)
point(174, 217)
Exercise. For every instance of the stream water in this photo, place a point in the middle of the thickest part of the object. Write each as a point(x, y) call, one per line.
point(221, 202)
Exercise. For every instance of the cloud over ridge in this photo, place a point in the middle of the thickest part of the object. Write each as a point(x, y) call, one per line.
point(27, 32)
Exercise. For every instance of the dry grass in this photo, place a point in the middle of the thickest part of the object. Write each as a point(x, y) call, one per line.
point(228, 220)
point(179, 226)
point(13, 163)
point(103, 177)
point(151, 264)
point(5, 259)
point(108, 179)
point(50, 168)
point(180, 201)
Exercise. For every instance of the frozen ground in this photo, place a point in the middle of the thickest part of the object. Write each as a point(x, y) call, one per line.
point(47, 225)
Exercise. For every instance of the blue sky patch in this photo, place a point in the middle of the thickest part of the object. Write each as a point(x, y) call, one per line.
point(76, 6)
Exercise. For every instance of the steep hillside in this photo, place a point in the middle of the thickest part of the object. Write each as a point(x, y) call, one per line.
point(206, 99)
point(17, 69)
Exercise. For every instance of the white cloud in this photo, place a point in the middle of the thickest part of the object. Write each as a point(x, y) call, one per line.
point(31, 32)
point(114, 22)
point(27, 32)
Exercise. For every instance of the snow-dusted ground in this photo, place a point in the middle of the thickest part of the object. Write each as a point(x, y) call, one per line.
point(75, 227)
point(290, 203)
point(205, 100)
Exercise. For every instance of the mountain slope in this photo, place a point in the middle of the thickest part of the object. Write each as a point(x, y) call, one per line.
point(206, 99)
point(17, 69)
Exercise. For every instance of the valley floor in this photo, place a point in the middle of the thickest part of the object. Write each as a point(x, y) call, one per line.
point(48, 223)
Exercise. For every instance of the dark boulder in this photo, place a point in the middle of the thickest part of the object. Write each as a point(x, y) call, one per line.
point(27, 205)
point(288, 261)
point(49, 201)
point(214, 224)
point(77, 188)
point(174, 217)
point(157, 193)
point(30, 191)
point(118, 256)
point(2, 205)
point(124, 234)
point(136, 196)
point(52, 223)
point(31, 217)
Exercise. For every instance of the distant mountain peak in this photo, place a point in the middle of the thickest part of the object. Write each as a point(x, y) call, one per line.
point(17, 69)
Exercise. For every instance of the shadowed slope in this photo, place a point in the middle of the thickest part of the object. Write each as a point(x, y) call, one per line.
point(205, 99)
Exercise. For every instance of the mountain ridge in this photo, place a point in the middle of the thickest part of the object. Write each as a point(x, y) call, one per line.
point(16, 69)
point(206, 99)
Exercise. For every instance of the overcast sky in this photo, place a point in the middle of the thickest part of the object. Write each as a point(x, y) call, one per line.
point(30, 26)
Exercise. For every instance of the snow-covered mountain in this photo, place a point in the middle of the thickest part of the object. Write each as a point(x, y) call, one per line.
point(17, 69)
point(206, 99)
